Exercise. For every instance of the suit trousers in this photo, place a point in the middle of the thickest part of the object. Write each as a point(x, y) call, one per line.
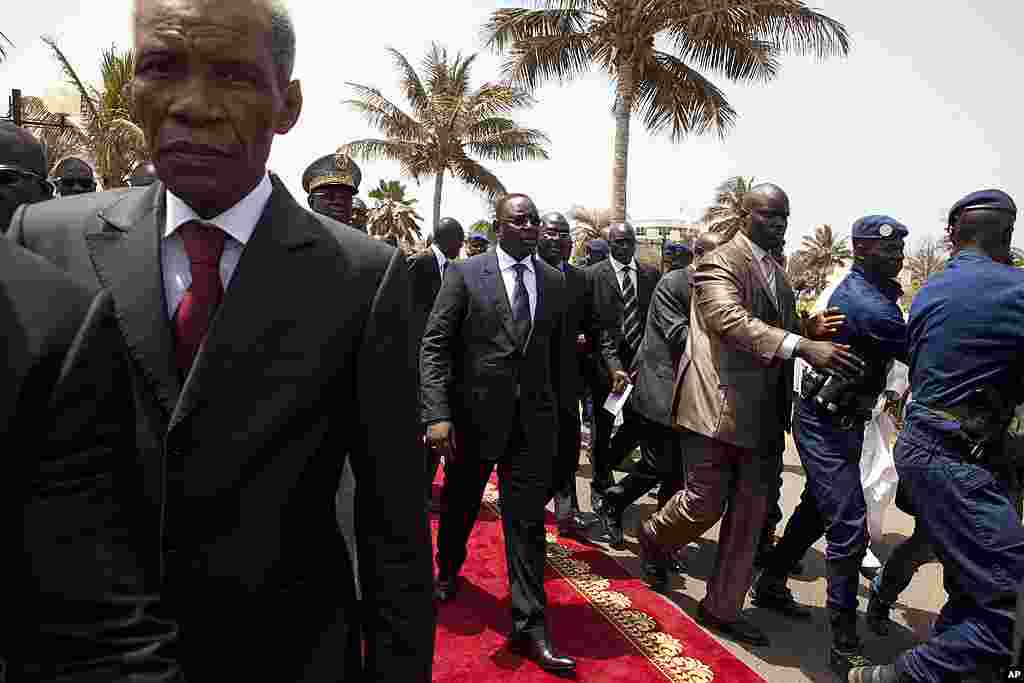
point(717, 474)
point(567, 461)
point(524, 484)
point(661, 460)
point(600, 443)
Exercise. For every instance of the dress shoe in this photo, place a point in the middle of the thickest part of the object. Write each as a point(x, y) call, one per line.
point(579, 526)
point(877, 614)
point(445, 588)
point(772, 593)
point(611, 518)
point(653, 560)
point(847, 652)
point(740, 630)
point(536, 647)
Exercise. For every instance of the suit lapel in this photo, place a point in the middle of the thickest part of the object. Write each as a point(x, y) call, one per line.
point(254, 301)
point(612, 278)
point(125, 251)
point(494, 285)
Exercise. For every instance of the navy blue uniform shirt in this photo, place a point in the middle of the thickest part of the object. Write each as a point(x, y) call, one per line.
point(966, 330)
point(874, 327)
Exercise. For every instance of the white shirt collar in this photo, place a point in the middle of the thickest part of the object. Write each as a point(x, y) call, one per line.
point(618, 266)
point(505, 261)
point(439, 255)
point(239, 221)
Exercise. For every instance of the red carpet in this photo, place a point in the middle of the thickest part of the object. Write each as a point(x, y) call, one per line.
point(615, 627)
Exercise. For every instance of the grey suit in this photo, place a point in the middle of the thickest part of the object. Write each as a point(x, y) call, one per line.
point(503, 398)
point(732, 394)
point(307, 362)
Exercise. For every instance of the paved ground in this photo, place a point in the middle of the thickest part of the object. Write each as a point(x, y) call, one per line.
point(799, 650)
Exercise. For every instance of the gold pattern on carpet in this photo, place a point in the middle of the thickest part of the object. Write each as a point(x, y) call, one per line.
point(663, 650)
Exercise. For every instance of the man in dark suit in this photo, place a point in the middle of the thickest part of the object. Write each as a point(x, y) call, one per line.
point(554, 248)
point(732, 394)
point(621, 295)
point(307, 362)
point(490, 367)
point(22, 171)
point(70, 471)
point(426, 271)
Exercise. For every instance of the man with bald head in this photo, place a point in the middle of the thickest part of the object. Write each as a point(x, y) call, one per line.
point(426, 271)
point(555, 247)
point(22, 171)
point(491, 382)
point(255, 381)
point(732, 395)
point(620, 296)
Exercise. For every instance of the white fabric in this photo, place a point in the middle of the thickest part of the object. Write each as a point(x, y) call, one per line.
point(442, 260)
point(238, 222)
point(506, 264)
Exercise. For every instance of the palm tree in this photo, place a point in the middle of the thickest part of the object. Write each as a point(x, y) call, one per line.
point(393, 214)
point(110, 134)
point(928, 258)
point(449, 124)
point(727, 214)
point(59, 142)
point(3, 50)
point(590, 224)
point(822, 253)
point(740, 40)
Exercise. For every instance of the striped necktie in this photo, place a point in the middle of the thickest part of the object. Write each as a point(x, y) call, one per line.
point(630, 312)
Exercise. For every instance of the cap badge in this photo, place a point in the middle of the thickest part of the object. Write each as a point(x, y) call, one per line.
point(885, 230)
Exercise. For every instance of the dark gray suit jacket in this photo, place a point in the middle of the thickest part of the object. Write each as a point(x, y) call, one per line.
point(473, 368)
point(606, 298)
point(425, 281)
point(668, 324)
point(68, 481)
point(307, 362)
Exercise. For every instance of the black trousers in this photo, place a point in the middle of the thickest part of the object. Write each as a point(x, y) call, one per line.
point(524, 484)
point(600, 442)
point(661, 460)
point(775, 500)
point(567, 461)
point(804, 528)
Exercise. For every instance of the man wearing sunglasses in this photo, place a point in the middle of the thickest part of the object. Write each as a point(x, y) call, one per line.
point(490, 379)
point(22, 171)
point(73, 176)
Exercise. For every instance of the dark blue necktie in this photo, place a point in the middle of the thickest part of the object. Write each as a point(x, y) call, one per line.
point(521, 305)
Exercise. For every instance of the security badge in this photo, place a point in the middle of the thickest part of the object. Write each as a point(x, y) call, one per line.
point(885, 230)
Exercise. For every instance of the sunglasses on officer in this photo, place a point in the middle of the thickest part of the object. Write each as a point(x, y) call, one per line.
point(523, 220)
point(83, 184)
point(11, 174)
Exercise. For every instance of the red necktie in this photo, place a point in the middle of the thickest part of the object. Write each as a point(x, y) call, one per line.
point(204, 244)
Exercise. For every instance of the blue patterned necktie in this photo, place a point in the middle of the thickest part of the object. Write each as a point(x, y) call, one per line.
point(521, 304)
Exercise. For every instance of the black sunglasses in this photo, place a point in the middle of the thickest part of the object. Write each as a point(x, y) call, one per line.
point(83, 183)
point(523, 220)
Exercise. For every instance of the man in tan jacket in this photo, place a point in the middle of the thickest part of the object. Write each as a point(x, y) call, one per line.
point(732, 398)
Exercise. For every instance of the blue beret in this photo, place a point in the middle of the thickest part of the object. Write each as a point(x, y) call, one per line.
point(983, 199)
point(878, 228)
point(598, 246)
point(478, 237)
point(674, 248)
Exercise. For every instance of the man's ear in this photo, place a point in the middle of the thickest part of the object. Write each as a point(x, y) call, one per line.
point(289, 114)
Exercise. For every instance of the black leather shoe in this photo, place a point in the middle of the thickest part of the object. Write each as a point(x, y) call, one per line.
point(536, 647)
point(740, 630)
point(580, 526)
point(611, 518)
point(445, 588)
point(770, 593)
point(653, 560)
point(877, 615)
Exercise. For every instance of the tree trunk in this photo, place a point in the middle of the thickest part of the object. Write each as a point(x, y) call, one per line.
point(623, 111)
point(438, 183)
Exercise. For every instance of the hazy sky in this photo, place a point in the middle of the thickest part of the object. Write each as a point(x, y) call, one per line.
point(919, 114)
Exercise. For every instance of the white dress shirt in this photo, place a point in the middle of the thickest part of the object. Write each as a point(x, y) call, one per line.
point(442, 260)
point(506, 264)
point(238, 222)
point(621, 274)
point(768, 266)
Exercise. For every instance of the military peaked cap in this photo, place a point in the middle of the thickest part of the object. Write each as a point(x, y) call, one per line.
point(332, 169)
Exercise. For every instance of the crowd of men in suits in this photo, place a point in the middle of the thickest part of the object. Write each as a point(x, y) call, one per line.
point(190, 402)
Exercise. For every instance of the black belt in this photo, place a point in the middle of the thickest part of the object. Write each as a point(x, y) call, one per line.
point(845, 419)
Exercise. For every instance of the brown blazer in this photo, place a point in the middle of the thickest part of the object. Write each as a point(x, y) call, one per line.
point(730, 385)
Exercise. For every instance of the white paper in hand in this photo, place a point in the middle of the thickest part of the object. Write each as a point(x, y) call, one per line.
point(616, 402)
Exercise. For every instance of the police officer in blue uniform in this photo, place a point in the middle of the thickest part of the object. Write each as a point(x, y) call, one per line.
point(965, 336)
point(828, 428)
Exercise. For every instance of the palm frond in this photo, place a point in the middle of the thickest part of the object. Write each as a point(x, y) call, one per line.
point(476, 176)
point(88, 106)
point(3, 50)
point(372, 149)
point(382, 114)
point(492, 99)
point(412, 86)
point(672, 96)
point(560, 57)
point(507, 27)
point(514, 144)
point(737, 56)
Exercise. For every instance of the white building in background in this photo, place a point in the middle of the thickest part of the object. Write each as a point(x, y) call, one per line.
point(657, 230)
